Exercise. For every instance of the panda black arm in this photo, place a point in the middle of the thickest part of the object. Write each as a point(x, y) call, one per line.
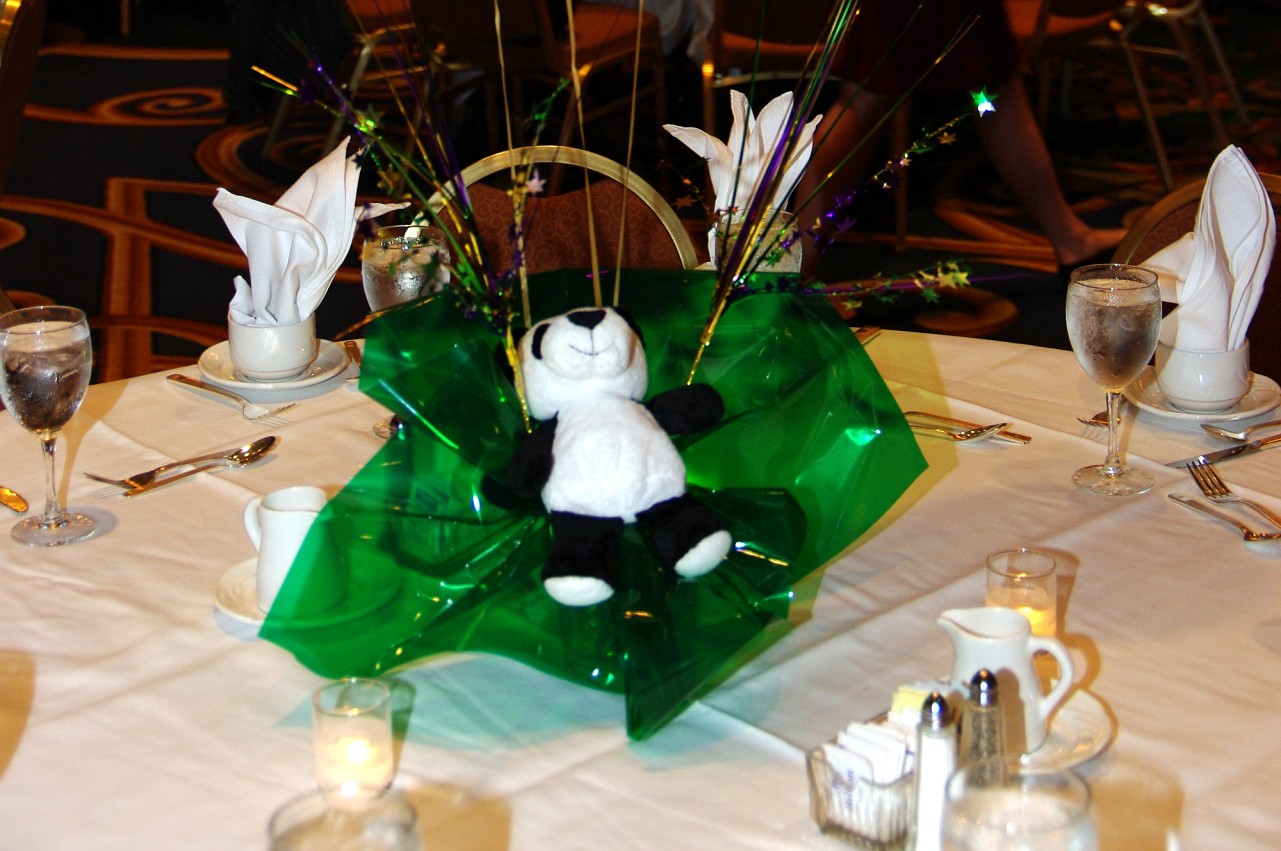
point(531, 464)
point(687, 409)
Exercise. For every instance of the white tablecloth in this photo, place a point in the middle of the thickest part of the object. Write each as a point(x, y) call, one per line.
point(134, 715)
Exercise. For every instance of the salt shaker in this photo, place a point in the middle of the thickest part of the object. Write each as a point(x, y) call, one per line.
point(982, 733)
point(935, 761)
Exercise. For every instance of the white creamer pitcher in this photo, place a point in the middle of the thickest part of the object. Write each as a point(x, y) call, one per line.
point(277, 524)
point(1001, 640)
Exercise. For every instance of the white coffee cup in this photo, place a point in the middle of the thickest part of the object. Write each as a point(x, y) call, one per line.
point(271, 352)
point(277, 524)
point(1203, 382)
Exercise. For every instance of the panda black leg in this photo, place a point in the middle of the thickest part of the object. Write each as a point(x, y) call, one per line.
point(690, 538)
point(580, 567)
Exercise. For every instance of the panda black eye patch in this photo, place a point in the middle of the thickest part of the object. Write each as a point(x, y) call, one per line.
point(536, 345)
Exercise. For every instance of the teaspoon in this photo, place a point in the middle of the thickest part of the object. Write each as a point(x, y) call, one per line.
point(1243, 434)
point(253, 451)
point(242, 457)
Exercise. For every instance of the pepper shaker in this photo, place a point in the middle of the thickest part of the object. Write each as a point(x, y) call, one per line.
point(982, 731)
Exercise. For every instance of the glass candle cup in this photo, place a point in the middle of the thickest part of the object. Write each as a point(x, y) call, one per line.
point(351, 726)
point(1024, 580)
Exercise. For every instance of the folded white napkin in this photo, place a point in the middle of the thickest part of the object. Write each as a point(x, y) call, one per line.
point(735, 165)
point(296, 245)
point(1215, 274)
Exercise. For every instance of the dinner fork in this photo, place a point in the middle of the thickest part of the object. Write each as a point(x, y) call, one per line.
point(257, 413)
point(961, 435)
point(1216, 490)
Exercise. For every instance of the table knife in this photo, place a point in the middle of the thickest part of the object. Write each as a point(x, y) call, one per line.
point(12, 499)
point(1231, 452)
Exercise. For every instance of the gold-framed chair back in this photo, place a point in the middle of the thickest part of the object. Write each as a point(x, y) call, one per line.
point(556, 234)
point(1176, 214)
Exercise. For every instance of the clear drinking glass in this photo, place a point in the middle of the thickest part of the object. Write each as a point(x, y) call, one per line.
point(45, 360)
point(1002, 805)
point(315, 822)
point(1113, 315)
point(402, 263)
point(398, 264)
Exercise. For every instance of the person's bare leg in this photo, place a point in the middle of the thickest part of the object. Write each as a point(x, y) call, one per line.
point(1013, 143)
point(840, 132)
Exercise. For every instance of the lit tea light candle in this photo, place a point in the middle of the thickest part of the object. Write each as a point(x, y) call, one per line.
point(1024, 580)
point(352, 737)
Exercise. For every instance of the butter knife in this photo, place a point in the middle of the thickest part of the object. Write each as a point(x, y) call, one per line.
point(353, 352)
point(1007, 436)
point(1230, 452)
point(866, 333)
point(12, 499)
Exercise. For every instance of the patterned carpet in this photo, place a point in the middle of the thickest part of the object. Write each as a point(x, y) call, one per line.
point(108, 207)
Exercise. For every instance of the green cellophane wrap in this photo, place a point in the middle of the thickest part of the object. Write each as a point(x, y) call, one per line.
point(434, 555)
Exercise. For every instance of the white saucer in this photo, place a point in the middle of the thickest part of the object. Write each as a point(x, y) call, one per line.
point(236, 595)
point(1144, 393)
point(216, 367)
point(1079, 731)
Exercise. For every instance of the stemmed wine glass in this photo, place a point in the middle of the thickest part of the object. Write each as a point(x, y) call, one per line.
point(399, 264)
point(1113, 316)
point(46, 357)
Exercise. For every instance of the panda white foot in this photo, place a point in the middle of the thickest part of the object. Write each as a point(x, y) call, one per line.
point(578, 590)
point(705, 555)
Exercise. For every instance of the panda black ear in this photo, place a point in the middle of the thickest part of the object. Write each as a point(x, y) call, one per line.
point(631, 322)
point(536, 347)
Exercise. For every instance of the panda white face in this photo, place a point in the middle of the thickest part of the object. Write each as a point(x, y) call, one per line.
point(579, 355)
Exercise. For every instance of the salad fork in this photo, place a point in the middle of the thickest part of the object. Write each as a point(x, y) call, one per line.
point(1249, 535)
point(1216, 490)
point(257, 413)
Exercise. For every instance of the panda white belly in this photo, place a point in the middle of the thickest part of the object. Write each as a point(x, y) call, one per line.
point(611, 459)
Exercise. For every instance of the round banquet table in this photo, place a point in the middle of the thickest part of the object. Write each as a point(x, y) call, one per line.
point(136, 714)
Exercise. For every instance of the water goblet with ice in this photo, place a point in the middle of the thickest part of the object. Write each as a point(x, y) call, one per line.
point(46, 358)
point(399, 264)
point(1113, 316)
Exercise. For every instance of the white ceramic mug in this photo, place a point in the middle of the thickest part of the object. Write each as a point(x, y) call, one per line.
point(1203, 382)
point(271, 352)
point(277, 524)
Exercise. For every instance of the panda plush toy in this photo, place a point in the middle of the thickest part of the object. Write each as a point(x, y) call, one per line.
point(600, 459)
